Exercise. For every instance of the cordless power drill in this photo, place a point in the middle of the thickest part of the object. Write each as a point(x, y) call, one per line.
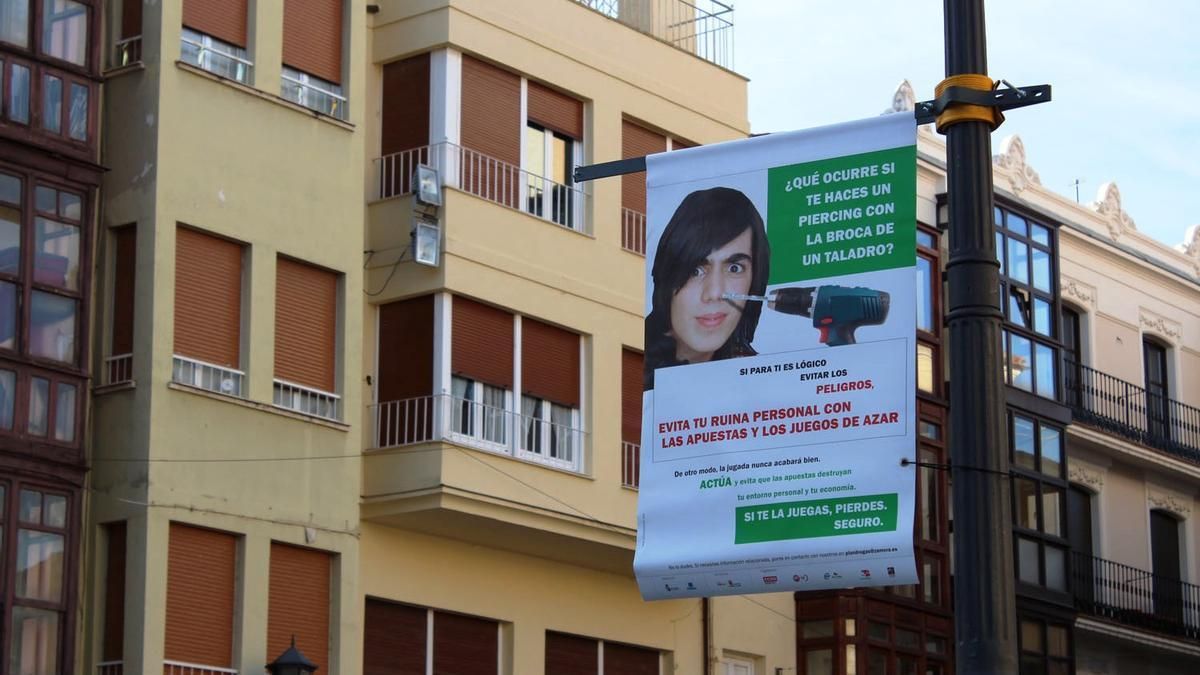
point(837, 311)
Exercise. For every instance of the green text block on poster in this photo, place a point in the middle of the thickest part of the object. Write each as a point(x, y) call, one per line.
point(816, 518)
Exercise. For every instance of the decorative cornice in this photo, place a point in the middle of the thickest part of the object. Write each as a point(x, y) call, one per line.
point(1191, 246)
point(1167, 501)
point(1160, 325)
point(1084, 475)
point(1108, 206)
point(904, 100)
point(1012, 158)
point(1084, 293)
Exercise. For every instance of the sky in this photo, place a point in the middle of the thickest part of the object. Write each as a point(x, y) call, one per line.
point(1125, 78)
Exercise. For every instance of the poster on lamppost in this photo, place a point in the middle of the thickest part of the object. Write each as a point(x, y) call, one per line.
point(780, 385)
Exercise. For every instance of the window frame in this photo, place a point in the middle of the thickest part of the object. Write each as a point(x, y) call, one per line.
point(932, 339)
point(1039, 534)
point(570, 219)
point(304, 83)
point(34, 51)
point(206, 43)
point(1013, 289)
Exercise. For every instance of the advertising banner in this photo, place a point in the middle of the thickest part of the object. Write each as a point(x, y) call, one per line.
point(780, 385)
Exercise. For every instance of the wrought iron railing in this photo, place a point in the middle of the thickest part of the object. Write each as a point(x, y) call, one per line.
point(487, 177)
point(631, 454)
point(1114, 405)
point(1135, 597)
point(633, 231)
point(700, 27)
point(459, 420)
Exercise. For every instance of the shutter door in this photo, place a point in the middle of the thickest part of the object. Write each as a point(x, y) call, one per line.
point(298, 602)
point(114, 594)
point(208, 298)
point(631, 396)
point(305, 324)
point(637, 141)
point(393, 639)
point(222, 19)
point(312, 37)
point(622, 659)
point(406, 349)
point(555, 111)
point(680, 144)
point(549, 363)
point(482, 343)
point(201, 573)
point(131, 18)
point(405, 104)
point(124, 273)
point(464, 644)
point(571, 655)
point(492, 127)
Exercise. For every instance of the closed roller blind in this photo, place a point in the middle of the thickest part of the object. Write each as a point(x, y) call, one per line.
point(312, 37)
point(114, 594)
point(201, 572)
point(208, 298)
point(622, 659)
point(405, 105)
point(298, 602)
point(637, 141)
point(555, 110)
point(464, 644)
point(394, 639)
point(549, 362)
point(406, 349)
point(131, 18)
point(481, 343)
point(305, 324)
point(124, 273)
point(571, 655)
point(491, 128)
point(631, 396)
point(222, 19)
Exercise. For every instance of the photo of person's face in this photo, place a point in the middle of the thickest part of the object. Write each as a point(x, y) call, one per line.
point(701, 321)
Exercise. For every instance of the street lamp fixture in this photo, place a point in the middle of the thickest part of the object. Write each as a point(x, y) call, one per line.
point(291, 662)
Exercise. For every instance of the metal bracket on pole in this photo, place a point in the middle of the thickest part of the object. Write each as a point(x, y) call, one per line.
point(1004, 99)
point(608, 169)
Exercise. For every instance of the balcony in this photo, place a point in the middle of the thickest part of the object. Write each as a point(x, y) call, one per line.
point(633, 231)
point(1119, 407)
point(700, 27)
point(1134, 597)
point(487, 177)
point(631, 470)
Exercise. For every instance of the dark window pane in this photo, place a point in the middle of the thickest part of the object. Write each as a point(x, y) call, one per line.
point(1056, 568)
point(56, 248)
point(817, 629)
point(819, 661)
point(1020, 363)
point(8, 399)
point(925, 368)
point(1042, 322)
point(1023, 442)
point(1018, 260)
point(46, 199)
point(1027, 561)
point(8, 315)
point(906, 665)
point(929, 430)
point(10, 240)
point(1051, 451)
point(1041, 270)
point(14, 22)
point(34, 644)
point(70, 206)
point(929, 497)
point(878, 631)
point(64, 413)
point(56, 511)
point(10, 186)
point(1000, 253)
point(39, 565)
point(31, 507)
point(935, 644)
point(1052, 509)
point(52, 97)
point(39, 405)
point(1027, 507)
point(931, 580)
point(1039, 233)
point(64, 30)
point(18, 94)
point(1031, 637)
point(908, 639)
point(52, 327)
point(1047, 367)
point(1016, 224)
point(1057, 641)
point(79, 112)
point(924, 294)
point(1019, 311)
point(876, 662)
point(925, 239)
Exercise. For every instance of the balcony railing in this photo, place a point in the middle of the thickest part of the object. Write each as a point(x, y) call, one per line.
point(1135, 597)
point(118, 369)
point(487, 177)
point(462, 421)
point(700, 27)
point(127, 51)
point(110, 668)
point(633, 231)
point(184, 668)
point(1125, 409)
point(631, 455)
point(207, 376)
point(307, 400)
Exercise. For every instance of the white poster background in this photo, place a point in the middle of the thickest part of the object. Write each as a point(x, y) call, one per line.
point(689, 493)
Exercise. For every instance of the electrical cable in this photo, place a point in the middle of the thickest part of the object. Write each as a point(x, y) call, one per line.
point(395, 266)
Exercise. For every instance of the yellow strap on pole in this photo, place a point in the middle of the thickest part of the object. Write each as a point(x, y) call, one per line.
point(966, 112)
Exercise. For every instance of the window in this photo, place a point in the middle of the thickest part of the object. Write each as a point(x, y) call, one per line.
point(215, 56)
point(52, 98)
point(306, 309)
point(631, 417)
point(573, 654)
point(201, 596)
point(208, 312)
point(34, 528)
point(549, 159)
point(1045, 647)
point(118, 365)
point(1028, 290)
point(298, 603)
point(1039, 491)
point(1154, 360)
point(550, 384)
point(113, 644)
point(128, 48)
point(312, 55)
point(636, 141)
point(929, 284)
point(61, 28)
point(1072, 340)
point(396, 640)
point(214, 37)
point(479, 410)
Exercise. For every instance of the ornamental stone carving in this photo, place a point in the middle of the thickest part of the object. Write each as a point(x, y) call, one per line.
point(1073, 288)
point(1191, 247)
point(1012, 157)
point(1108, 206)
point(1160, 325)
point(1092, 478)
point(1177, 504)
point(904, 100)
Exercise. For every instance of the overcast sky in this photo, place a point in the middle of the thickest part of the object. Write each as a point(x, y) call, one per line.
point(1126, 78)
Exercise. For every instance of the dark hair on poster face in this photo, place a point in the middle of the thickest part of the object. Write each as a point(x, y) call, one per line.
point(704, 221)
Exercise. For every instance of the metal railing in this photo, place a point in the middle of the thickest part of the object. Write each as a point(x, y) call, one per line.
point(185, 668)
point(110, 668)
point(307, 400)
point(1125, 409)
point(1135, 597)
point(127, 51)
point(118, 369)
point(443, 417)
point(487, 177)
point(700, 27)
point(633, 231)
point(631, 455)
point(216, 61)
point(314, 97)
point(207, 376)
